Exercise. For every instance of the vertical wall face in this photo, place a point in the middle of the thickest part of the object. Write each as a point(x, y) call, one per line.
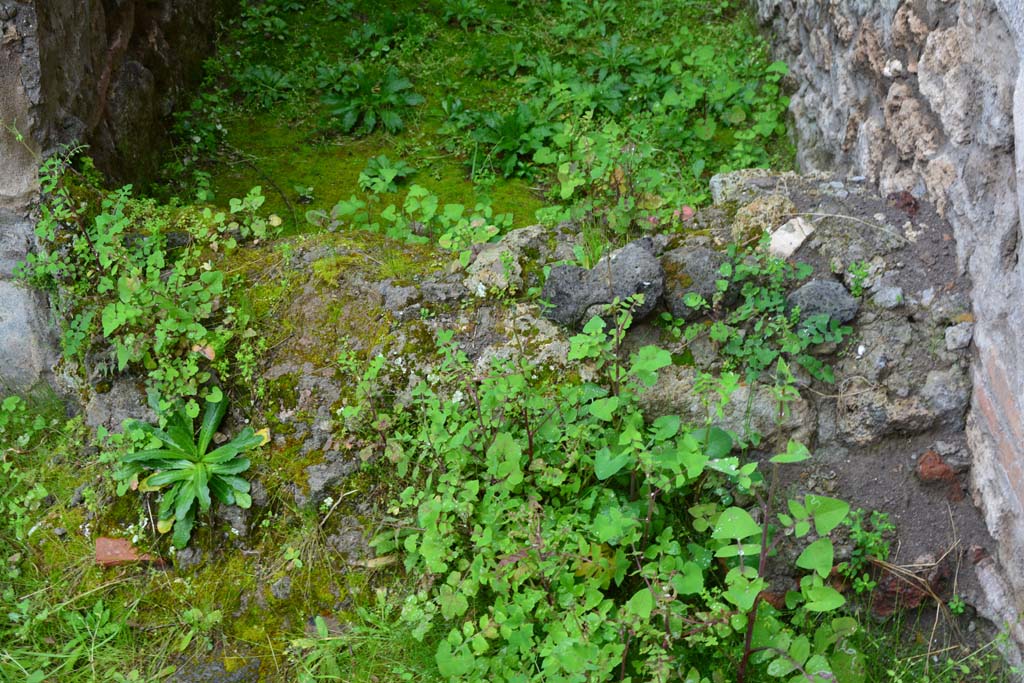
point(921, 95)
point(107, 73)
point(26, 343)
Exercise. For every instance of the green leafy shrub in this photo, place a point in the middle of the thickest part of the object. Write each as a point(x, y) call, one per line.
point(466, 13)
point(264, 85)
point(185, 472)
point(128, 298)
point(383, 175)
point(365, 97)
point(762, 329)
point(563, 537)
point(420, 218)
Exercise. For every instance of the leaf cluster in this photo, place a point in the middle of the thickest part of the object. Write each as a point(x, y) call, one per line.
point(763, 328)
point(564, 537)
point(365, 97)
point(187, 474)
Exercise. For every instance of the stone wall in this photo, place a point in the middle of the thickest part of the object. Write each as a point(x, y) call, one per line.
point(922, 96)
point(107, 73)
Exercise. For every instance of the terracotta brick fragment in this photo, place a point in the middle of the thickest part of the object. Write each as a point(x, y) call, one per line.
point(111, 552)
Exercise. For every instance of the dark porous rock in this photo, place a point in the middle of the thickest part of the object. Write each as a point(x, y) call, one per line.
point(566, 292)
point(633, 269)
point(824, 296)
point(690, 269)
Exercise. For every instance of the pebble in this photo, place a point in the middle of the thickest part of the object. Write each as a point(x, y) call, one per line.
point(888, 297)
point(959, 337)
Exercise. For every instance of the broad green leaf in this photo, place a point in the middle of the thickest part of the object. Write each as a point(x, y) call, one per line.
point(211, 420)
point(800, 649)
point(160, 479)
point(665, 427)
point(182, 530)
point(818, 556)
point(690, 581)
point(795, 452)
point(717, 442)
point(604, 408)
point(821, 598)
point(453, 604)
point(453, 664)
point(780, 667)
point(828, 513)
point(735, 523)
point(245, 440)
point(200, 484)
point(607, 465)
point(186, 499)
point(647, 362)
point(848, 664)
point(742, 592)
point(506, 455)
point(641, 604)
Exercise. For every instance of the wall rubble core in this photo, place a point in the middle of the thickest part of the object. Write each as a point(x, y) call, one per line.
point(927, 97)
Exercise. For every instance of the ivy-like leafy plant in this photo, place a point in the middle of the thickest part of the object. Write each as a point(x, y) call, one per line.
point(184, 472)
point(564, 537)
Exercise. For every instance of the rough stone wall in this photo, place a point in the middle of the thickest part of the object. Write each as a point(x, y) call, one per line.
point(107, 73)
point(923, 96)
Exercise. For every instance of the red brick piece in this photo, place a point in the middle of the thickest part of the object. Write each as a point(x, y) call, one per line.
point(111, 552)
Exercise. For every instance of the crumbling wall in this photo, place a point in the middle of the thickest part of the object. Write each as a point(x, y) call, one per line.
point(106, 73)
point(922, 96)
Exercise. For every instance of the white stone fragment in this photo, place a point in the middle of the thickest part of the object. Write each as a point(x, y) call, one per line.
point(789, 236)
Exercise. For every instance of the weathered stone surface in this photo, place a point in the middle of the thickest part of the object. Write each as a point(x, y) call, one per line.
point(320, 479)
point(765, 213)
point(109, 74)
point(690, 270)
point(824, 297)
point(19, 58)
point(214, 668)
point(928, 98)
point(750, 409)
point(959, 336)
point(572, 291)
point(499, 267)
point(739, 187)
point(125, 400)
point(26, 340)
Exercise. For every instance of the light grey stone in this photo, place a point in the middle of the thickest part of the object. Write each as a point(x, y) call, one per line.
point(959, 336)
point(888, 297)
point(27, 346)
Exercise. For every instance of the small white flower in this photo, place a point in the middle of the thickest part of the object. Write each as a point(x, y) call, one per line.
point(457, 396)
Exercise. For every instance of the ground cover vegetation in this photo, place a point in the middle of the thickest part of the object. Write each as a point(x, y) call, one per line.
point(532, 526)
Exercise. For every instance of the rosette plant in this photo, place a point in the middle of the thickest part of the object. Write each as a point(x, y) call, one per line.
point(186, 475)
